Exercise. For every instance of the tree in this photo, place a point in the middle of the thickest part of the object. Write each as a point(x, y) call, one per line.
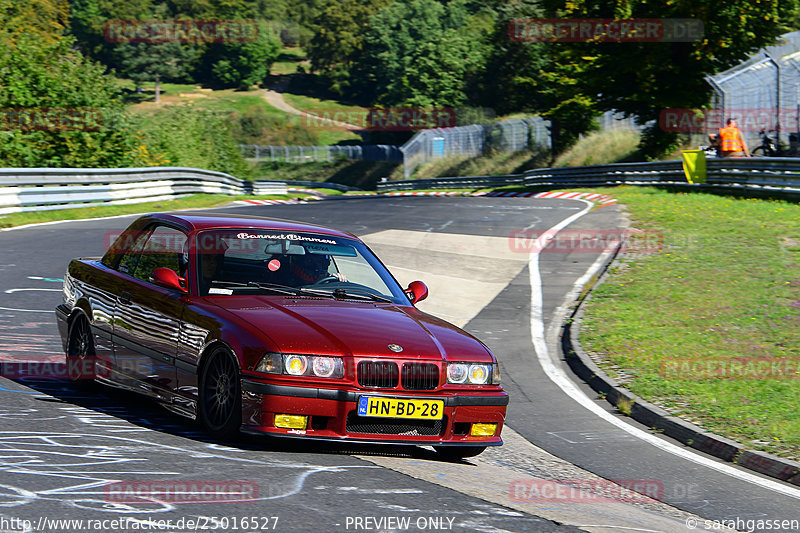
point(170, 61)
point(49, 118)
point(88, 20)
point(530, 77)
point(338, 41)
point(244, 64)
point(423, 53)
point(642, 78)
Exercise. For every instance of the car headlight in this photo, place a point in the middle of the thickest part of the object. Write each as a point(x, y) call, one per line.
point(295, 365)
point(473, 373)
point(457, 372)
point(479, 374)
point(320, 366)
point(326, 367)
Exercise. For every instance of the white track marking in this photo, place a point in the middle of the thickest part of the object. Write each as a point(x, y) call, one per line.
point(9, 291)
point(560, 378)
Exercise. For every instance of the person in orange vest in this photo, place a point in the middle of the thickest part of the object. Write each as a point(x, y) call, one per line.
point(731, 142)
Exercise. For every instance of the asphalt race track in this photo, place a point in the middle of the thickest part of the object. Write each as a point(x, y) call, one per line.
point(69, 452)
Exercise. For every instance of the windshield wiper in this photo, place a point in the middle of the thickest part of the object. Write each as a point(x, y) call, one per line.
point(297, 291)
point(348, 293)
point(281, 289)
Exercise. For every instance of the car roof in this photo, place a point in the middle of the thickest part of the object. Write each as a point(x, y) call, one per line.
point(198, 220)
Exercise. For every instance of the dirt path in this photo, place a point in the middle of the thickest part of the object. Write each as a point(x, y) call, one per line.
point(274, 97)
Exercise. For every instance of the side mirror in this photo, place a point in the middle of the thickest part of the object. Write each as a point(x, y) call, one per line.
point(416, 291)
point(166, 277)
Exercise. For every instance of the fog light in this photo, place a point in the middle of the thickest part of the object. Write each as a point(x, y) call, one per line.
point(291, 421)
point(482, 430)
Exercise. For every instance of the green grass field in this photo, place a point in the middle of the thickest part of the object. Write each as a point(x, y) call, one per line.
point(602, 147)
point(288, 61)
point(717, 287)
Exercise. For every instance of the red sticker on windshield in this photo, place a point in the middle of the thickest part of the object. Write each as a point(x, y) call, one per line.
point(274, 265)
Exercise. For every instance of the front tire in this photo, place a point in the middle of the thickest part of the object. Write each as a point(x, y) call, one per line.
point(80, 351)
point(220, 395)
point(457, 453)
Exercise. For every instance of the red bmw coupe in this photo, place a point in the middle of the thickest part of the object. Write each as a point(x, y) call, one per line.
point(262, 325)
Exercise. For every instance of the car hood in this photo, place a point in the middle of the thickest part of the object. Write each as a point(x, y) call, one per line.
point(346, 327)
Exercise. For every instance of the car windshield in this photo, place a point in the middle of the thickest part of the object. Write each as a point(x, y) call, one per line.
point(237, 261)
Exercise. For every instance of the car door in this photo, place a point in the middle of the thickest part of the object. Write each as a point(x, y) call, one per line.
point(147, 317)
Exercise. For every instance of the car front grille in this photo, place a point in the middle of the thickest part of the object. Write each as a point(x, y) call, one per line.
point(420, 376)
point(394, 426)
point(378, 374)
point(386, 375)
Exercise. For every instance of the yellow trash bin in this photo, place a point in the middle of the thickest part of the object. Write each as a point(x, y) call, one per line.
point(694, 165)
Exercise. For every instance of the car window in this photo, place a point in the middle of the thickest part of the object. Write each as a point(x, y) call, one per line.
point(165, 247)
point(230, 259)
point(130, 258)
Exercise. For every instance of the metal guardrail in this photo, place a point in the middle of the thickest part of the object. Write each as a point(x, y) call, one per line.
point(319, 185)
point(32, 189)
point(305, 154)
point(774, 173)
point(475, 182)
point(36, 189)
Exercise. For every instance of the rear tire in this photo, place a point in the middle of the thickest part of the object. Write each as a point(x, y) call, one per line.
point(456, 453)
point(220, 395)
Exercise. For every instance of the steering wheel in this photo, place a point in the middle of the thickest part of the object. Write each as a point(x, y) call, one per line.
point(327, 279)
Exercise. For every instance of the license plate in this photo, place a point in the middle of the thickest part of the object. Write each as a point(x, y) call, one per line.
point(398, 408)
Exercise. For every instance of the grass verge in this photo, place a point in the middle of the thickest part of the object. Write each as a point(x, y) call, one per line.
point(602, 147)
point(494, 163)
point(707, 324)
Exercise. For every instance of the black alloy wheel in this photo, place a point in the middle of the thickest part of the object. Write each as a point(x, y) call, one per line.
point(80, 351)
point(220, 403)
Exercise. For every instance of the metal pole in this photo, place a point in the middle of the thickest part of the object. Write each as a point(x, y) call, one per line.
point(777, 102)
point(721, 93)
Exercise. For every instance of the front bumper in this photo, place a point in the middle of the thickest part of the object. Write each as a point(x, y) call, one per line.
point(333, 415)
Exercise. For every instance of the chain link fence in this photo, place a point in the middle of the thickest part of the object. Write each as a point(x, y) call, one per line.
point(761, 93)
point(471, 141)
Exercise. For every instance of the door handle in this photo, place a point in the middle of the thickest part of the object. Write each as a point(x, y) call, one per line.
point(124, 298)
